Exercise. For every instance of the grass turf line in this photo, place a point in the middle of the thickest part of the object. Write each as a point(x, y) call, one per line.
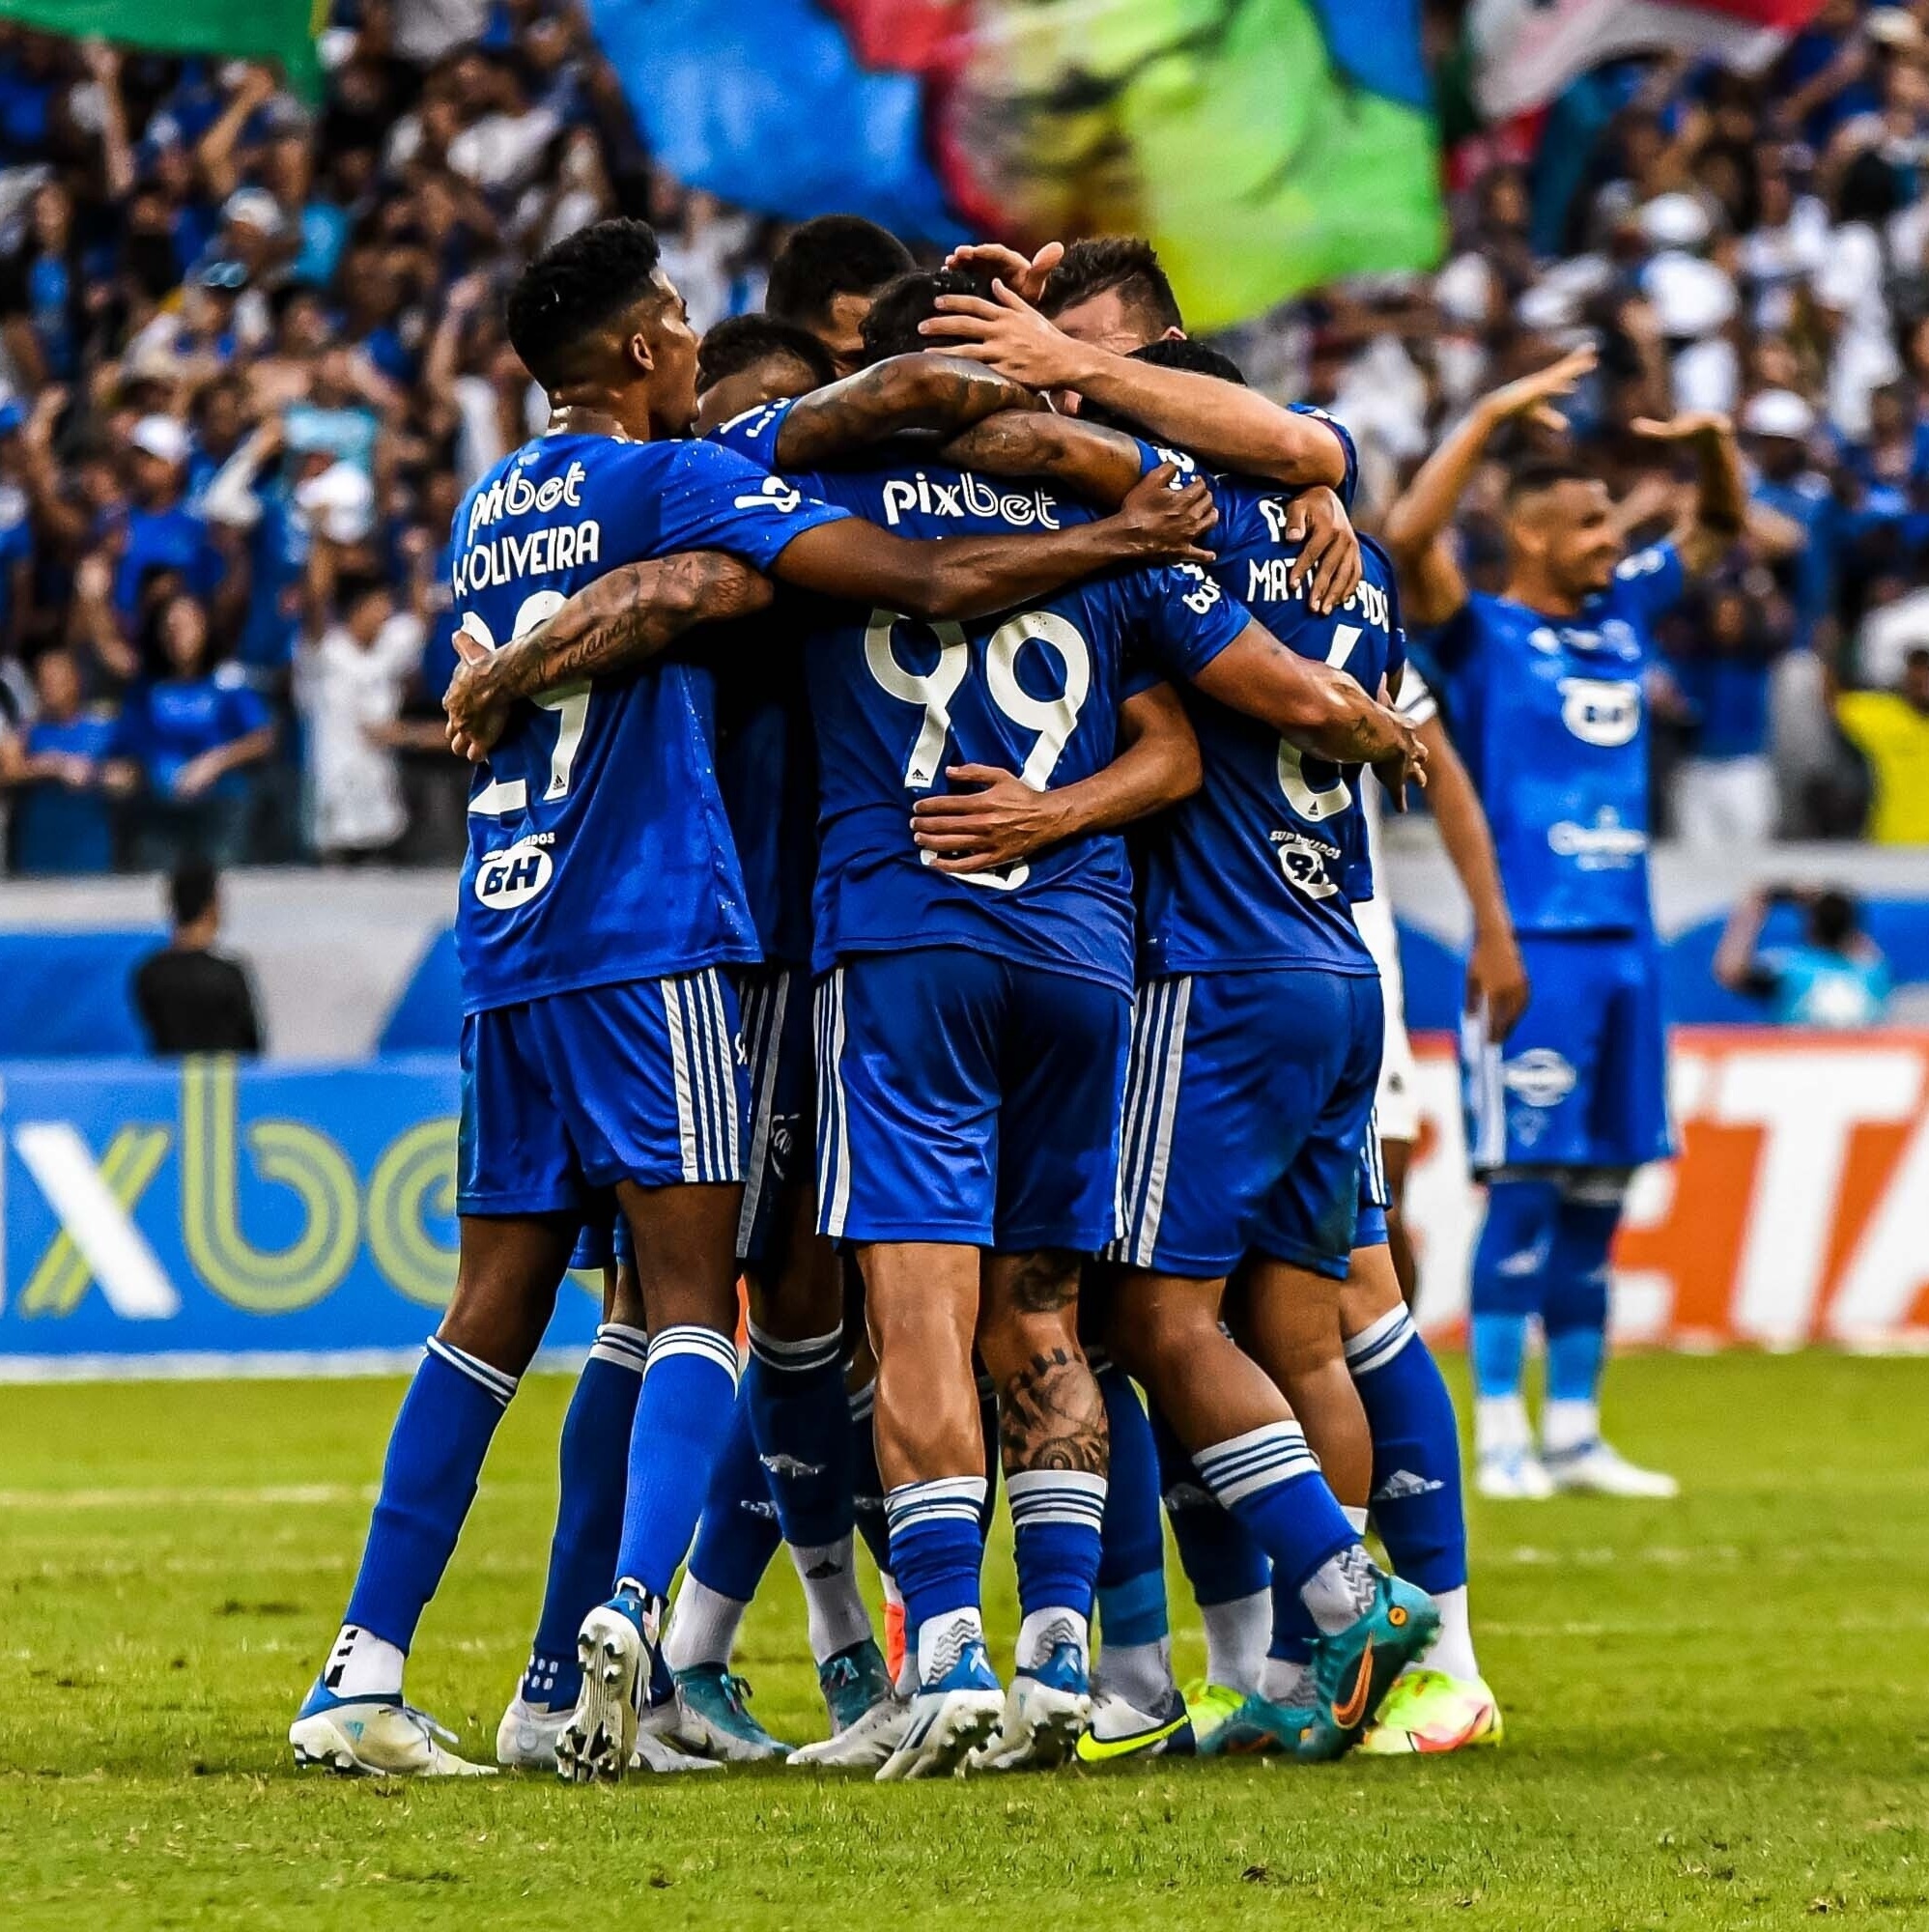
point(1718, 1708)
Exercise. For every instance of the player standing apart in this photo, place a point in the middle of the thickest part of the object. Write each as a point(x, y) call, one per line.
point(1543, 687)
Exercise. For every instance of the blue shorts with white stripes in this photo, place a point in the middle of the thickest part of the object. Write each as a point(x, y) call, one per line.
point(566, 1096)
point(967, 1098)
point(779, 1050)
point(1376, 1195)
point(1246, 1110)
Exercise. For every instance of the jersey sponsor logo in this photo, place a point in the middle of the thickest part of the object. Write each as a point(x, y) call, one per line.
point(773, 493)
point(969, 496)
point(1539, 1077)
point(1602, 711)
point(1604, 846)
point(1303, 860)
point(515, 496)
point(1205, 592)
point(513, 876)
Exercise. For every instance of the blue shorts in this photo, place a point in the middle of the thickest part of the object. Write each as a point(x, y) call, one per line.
point(967, 1098)
point(778, 1048)
point(564, 1096)
point(1583, 1080)
point(1246, 1110)
point(1376, 1197)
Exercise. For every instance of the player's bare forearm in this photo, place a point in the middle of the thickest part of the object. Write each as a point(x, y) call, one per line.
point(972, 577)
point(922, 391)
point(622, 620)
point(1496, 976)
point(1227, 427)
point(1100, 465)
point(1722, 500)
point(1317, 707)
point(1424, 511)
point(1158, 764)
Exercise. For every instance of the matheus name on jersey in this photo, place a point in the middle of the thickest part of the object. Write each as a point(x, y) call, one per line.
point(1550, 717)
point(598, 845)
point(1261, 867)
point(1033, 691)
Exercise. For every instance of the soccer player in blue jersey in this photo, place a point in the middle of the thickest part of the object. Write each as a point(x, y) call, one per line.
point(600, 899)
point(1544, 687)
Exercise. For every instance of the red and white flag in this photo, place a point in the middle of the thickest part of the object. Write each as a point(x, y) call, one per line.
point(1525, 51)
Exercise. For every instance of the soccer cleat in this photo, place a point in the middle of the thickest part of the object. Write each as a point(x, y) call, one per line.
point(946, 1719)
point(525, 1739)
point(893, 1639)
point(623, 1676)
point(866, 1717)
point(374, 1737)
point(1428, 1711)
point(713, 1717)
point(1118, 1730)
point(1210, 1706)
point(1596, 1468)
point(655, 1749)
point(1354, 1669)
point(1511, 1476)
point(1257, 1728)
point(1045, 1713)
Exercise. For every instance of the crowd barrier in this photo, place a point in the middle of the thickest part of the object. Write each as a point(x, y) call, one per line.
point(215, 1218)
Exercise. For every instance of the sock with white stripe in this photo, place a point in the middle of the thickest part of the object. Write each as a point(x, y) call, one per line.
point(736, 1538)
point(1055, 1520)
point(683, 1418)
point(804, 1441)
point(936, 1554)
point(1417, 1504)
point(442, 1434)
point(595, 1463)
point(1270, 1480)
point(1135, 1654)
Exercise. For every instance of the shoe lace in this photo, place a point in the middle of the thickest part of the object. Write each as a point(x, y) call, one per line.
point(737, 1693)
point(840, 1673)
point(430, 1729)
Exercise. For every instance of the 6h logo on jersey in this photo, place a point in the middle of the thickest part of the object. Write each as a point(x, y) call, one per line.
point(1605, 711)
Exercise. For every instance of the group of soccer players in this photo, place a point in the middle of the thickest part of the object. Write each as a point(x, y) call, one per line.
point(920, 812)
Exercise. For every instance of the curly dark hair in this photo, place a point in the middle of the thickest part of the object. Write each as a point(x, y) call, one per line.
point(743, 341)
point(890, 328)
point(830, 256)
point(573, 287)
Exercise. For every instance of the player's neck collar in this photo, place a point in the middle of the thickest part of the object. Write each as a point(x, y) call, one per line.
point(585, 420)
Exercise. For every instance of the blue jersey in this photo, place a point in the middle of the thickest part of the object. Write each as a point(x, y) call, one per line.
point(598, 846)
point(897, 701)
point(1550, 717)
point(1261, 867)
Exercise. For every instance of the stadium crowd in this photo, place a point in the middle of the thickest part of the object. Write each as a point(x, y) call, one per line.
point(252, 357)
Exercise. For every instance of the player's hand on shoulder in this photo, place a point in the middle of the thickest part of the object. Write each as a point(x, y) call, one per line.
point(1158, 524)
point(1003, 821)
point(1328, 562)
point(1405, 760)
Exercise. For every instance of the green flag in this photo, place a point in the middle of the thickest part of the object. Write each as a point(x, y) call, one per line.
point(273, 30)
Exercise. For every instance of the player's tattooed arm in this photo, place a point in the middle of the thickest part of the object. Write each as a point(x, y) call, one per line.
point(1006, 820)
point(623, 619)
point(1225, 425)
point(974, 576)
point(905, 393)
point(1101, 464)
point(1419, 526)
point(1318, 708)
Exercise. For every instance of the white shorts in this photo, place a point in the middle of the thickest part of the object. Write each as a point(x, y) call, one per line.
point(1396, 1105)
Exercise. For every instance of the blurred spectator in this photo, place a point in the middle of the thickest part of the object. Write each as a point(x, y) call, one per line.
point(192, 731)
point(1835, 976)
point(190, 999)
point(63, 775)
point(1890, 728)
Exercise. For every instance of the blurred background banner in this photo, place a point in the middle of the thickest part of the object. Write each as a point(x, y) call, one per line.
point(157, 1217)
point(1265, 146)
point(277, 30)
point(1525, 51)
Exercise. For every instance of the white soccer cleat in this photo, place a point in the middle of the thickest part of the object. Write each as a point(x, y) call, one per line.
point(862, 1745)
point(947, 1720)
point(1596, 1468)
point(1045, 1713)
point(658, 1750)
point(375, 1739)
point(525, 1739)
point(599, 1737)
point(1511, 1476)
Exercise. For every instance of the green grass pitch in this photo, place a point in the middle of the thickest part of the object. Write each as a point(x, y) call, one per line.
point(1719, 1710)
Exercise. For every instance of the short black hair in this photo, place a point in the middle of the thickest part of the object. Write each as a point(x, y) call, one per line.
point(1530, 479)
point(1169, 351)
point(573, 287)
point(890, 328)
point(742, 341)
point(829, 256)
point(190, 889)
point(1127, 263)
point(1833, 916)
